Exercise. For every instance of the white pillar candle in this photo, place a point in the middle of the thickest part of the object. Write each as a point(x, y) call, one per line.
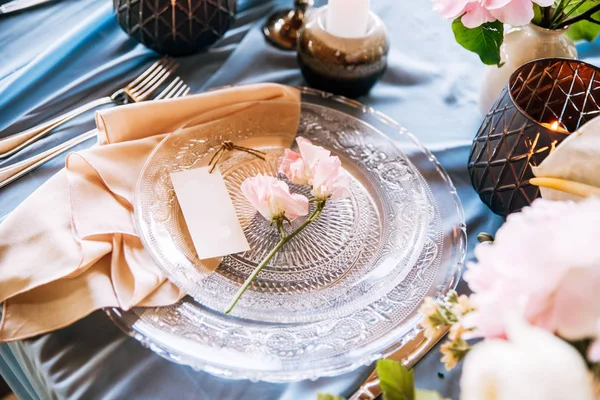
point(347, 18)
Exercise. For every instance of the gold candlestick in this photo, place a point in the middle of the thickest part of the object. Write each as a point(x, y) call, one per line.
point(281, 29)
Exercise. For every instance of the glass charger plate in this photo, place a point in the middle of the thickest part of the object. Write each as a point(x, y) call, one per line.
point(398, 238)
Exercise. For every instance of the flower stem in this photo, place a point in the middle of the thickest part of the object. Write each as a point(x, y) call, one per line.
point(284, 239)
point(587, 15)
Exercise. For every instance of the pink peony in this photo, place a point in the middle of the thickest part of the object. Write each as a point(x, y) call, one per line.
point(316, 166)
point(477, 12)
point(272, 198)
point(544, 265)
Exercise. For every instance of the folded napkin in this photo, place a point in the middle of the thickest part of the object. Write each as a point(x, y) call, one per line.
point(72, 247)
point(572, 171)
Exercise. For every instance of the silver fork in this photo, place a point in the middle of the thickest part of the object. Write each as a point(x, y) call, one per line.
point(137, 90)
point(11, 173)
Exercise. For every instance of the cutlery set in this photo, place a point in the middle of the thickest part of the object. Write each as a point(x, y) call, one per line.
point(18, 5)
point(140, 89)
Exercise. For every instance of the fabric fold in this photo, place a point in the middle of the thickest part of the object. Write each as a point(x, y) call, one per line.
point(571, 171)
point(72, 247)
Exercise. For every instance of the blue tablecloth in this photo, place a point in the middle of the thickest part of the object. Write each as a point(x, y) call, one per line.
point(59, 55)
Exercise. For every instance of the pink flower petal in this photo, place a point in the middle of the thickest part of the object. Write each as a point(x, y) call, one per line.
point(292, 165)
point(515, 12)
point(494, 4)
point(450, 9)
point(271, 197)
point(543, 267)
point(577, 304)
point(311, 154)
point(594, 351)
point(475, 15)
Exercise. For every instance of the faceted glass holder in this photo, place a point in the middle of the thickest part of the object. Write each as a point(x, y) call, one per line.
point(543, 102)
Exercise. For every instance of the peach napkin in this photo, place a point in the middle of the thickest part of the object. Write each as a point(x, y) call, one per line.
point(72, 247)
point(571, 172)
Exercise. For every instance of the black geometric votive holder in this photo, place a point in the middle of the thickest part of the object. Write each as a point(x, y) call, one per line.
point(544, 101)
point(175, 27)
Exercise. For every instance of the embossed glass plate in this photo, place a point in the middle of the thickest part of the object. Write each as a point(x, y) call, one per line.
point(344, 294)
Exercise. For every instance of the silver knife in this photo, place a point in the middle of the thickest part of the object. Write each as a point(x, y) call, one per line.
point(408, 355)
point(17, 5)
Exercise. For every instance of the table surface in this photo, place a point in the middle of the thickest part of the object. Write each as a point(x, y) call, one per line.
point(57, 56)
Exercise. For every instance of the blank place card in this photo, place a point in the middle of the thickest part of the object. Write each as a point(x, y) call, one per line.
point(209, 213)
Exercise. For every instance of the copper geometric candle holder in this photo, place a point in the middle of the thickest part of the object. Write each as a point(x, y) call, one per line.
point(542, 103)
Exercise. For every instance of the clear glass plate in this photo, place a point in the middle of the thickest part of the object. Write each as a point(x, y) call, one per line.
point(344, 294)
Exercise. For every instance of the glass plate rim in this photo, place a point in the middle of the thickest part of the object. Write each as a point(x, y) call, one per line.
point(289, 376)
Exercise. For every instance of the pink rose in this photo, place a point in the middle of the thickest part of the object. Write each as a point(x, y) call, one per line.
point(292, 165)
point(477, 12)
point(272, 199)
point(514, 12)
point(316, 166)
point(544, 266)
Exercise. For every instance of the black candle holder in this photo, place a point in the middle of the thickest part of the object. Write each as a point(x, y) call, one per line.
point(543, 102)
point(175, 27)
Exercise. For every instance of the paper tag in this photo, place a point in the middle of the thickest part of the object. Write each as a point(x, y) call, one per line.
point(209, 213)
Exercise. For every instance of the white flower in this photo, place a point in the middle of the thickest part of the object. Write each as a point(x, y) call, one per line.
point(428, 308)
point(532, 365)
point(462, 306)
point(431, 319)
point(453, 351)
point(456, 331)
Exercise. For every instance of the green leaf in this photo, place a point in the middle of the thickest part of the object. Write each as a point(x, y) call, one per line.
point(584, 30)
point(485, 40)
point(397, 382)
point(428, 395)
point(322, 396)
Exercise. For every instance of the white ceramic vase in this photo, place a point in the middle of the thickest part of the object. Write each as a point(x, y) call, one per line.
point(521, 45)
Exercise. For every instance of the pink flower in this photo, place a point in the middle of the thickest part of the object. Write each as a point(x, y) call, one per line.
point(477, 12)
point(593, 353)
point(272, 198)
point(311, 154)
point(316, 166)
point(329, 180)
point(292, 165)
point(543, 266)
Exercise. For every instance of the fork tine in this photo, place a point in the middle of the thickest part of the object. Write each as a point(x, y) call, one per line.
point(145, 91)
point(177, 82)
point(176, 95)
point(132, 90)
point(184, 89)
point(175, 90)
point(147, 72)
